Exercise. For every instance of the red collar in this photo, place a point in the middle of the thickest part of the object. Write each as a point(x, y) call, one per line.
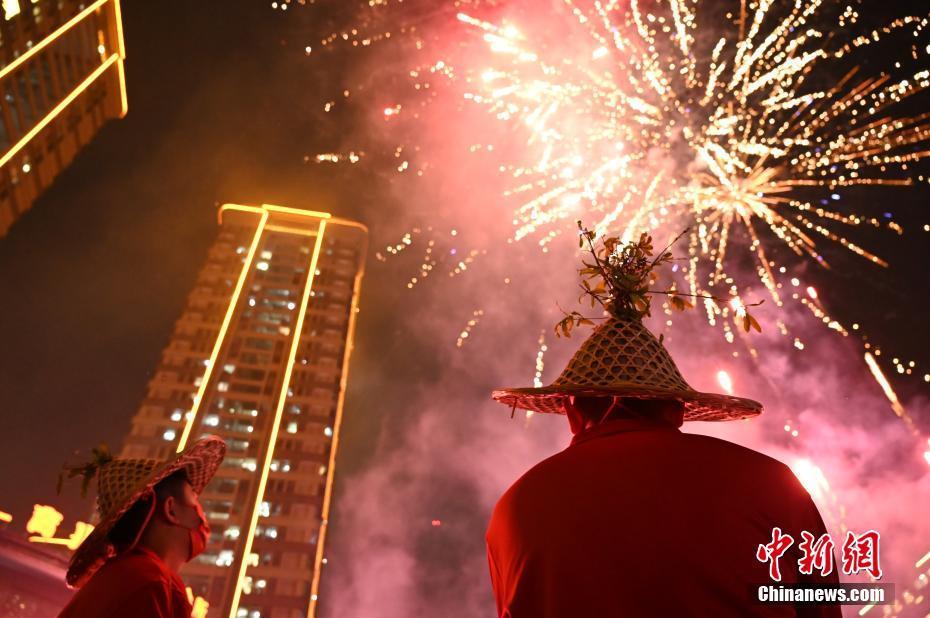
point(621, 425)
point(162, 566)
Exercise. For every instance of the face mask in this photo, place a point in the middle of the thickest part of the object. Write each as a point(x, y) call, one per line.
point(199, 533)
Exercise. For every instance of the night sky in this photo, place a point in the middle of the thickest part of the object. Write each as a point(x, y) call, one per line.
point(223, 107)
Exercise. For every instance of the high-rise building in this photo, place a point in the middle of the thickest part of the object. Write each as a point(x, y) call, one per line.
point(61, 79)
point(260, 357)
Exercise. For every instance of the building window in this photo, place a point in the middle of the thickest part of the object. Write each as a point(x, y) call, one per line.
point(238, 445)
point(169, 434)
point(224, 558)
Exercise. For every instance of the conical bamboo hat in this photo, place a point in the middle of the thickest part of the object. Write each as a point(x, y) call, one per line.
point(622, 358)
point(122, 482)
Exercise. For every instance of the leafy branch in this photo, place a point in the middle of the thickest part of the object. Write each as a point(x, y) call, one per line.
point(100, 456)
point(619, 276)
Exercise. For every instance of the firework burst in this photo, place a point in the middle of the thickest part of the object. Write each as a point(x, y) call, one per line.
point(644, 125)
point(726, 118)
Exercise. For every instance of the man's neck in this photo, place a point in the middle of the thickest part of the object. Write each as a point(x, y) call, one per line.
point(167, 551)
point(622, 425)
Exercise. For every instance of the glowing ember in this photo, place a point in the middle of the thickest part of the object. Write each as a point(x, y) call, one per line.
point(811, 477)
point(889, 392)
point(725, 381)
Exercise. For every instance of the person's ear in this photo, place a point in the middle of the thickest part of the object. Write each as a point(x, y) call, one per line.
point(169, 510)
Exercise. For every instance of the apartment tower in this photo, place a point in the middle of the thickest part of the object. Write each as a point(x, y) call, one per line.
point(260, 357)
point(61, 79)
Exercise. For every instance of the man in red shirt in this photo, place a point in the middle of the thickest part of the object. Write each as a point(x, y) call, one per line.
point(636, 518)
point(151, 523)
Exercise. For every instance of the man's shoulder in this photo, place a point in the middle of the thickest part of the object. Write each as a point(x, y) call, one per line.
point(675, 442)
point(123, 580)
point(717, 454)
point(744, 454)
point(134, 570)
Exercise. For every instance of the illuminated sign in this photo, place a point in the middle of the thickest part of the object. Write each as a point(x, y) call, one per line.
point(199, 605)
point(44, 524)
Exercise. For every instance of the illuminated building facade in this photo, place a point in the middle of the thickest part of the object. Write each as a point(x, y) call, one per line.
point(260, 357)
point(61, 79)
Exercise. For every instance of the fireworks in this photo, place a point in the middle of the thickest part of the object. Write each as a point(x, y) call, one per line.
point(756, 128)
point(639, 122)
point(473, 322)
point(889, 391)
point(725, 381)
point(811, 477)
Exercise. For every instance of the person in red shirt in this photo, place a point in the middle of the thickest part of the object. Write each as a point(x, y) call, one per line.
point(636, 518)
point(151, 523)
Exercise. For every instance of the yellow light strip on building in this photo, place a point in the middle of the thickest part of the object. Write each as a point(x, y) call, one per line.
point(121, 50)
point(297, 211)
point(282, 400)
point(243, 274)
point(48, 40)
point(337, 424)
point(123, 99)
point(84, 85)
point(236, 207)
point(290, 230)
point(5, 517)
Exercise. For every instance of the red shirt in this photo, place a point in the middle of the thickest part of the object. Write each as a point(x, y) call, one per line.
point(136, 583)
point(638, 519)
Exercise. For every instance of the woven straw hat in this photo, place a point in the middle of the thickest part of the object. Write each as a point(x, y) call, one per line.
point(123, 482)
point(622, 358)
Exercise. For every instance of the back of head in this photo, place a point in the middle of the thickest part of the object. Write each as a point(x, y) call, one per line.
point(585, 412)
